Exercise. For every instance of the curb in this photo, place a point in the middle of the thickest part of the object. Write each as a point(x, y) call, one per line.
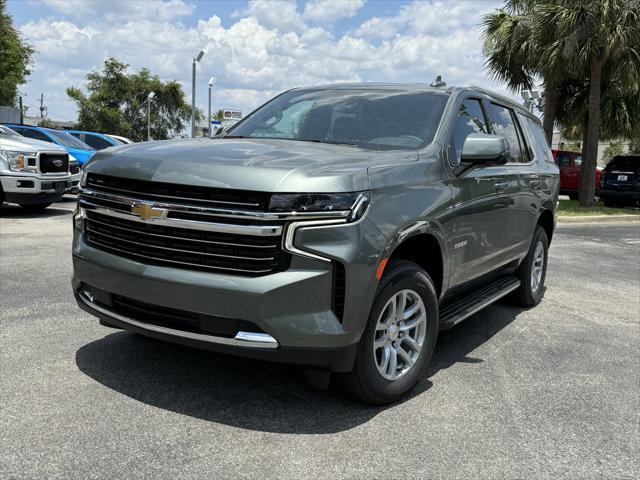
point(599, 219)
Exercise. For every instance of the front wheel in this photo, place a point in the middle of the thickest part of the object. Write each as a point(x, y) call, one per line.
point(533, 270)
point(400, 336)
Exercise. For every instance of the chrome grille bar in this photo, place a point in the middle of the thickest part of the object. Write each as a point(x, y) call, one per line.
point(211, 267)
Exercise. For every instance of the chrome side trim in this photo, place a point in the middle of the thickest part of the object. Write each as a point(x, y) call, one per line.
point(287, 241)
point(242, 339)
point(256, 338)
point(214, 212)
point(255, 230)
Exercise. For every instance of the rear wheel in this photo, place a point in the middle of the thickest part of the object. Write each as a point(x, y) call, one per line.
point(573, 195)
point(400, 336)
point(34, 207)
point(533, 270)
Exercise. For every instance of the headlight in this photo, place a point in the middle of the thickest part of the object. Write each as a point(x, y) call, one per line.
point(354, 202)
point(17, 160)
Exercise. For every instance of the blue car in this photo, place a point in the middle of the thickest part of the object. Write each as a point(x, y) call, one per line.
point(80, 150)
point(99, 141)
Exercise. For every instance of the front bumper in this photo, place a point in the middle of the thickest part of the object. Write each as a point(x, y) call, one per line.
point(294, 307)
point(34, 189)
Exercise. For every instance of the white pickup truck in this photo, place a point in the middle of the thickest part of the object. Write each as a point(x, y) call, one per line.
point(33, 174)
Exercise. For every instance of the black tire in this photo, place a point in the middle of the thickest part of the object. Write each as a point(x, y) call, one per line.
point(365, 381)
point(611, 203)
point(526, 295)
point(34, 207)
point(573, 195)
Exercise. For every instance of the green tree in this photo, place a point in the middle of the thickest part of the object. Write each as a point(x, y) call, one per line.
point(15, 58)
point(614, 148)
point(117, 103)
point(219, 115)
point(513, 56)
point(634, 146)
point(599, 40)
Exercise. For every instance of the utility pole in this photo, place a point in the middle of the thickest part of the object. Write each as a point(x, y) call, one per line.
point(42, 108)
point(21, 111)
point(196, 59)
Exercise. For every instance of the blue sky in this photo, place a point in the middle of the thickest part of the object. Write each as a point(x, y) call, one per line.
point(255, 48)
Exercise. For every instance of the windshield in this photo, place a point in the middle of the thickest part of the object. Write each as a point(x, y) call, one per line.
point(68, 140)
point(368, 118)
point(630, 163)
point(7, 131)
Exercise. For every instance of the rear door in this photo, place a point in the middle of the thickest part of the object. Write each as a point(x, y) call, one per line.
point(481, 200)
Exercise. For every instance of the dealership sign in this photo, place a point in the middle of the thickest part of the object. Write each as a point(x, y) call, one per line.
point(230, 114)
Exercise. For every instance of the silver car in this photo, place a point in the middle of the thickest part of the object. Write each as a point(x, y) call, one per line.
point(33, 174)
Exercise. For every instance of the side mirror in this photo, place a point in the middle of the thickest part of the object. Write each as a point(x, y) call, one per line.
point(221, 132)
point(483, 149)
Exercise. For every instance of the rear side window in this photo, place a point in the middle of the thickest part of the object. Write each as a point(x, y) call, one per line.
point(630, 163)
point(563, 159)
point(503, 123)
point(470, 119)
point(27, 132)
point(96, 142)
point(537, 138)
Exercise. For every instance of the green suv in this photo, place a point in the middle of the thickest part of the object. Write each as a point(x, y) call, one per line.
point(338, 228)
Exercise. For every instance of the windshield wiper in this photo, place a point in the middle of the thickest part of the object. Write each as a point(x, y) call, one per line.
point(332, 142)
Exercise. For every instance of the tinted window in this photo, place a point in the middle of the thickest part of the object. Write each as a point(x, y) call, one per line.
point(470, 120)
point(503, 124)
point(27, 132)
point(630, 163)
point(8, 132)
point(368, 118)
point(96, 142)
point(563, 159)
point(537, 138)
point(67, 140)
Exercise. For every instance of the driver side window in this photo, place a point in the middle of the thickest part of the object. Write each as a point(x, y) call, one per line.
point(470, 119)
point(287, 124)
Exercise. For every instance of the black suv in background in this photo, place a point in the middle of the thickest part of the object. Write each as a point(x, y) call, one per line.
point(620, 182)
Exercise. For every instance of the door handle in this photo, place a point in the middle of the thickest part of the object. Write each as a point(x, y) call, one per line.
point(501, 186)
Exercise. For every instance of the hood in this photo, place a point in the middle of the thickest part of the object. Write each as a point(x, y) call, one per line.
point(247, 164)
point(81, 154)
point(25, 144)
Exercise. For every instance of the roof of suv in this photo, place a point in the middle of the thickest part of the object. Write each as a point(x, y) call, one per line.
point(421, 87)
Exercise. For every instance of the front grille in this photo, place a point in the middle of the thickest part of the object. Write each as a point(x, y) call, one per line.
point(54, 162)
point(178, 193)
point(74, 168)
point(220, 252)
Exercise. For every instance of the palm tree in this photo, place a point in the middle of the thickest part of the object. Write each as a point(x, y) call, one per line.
point(514, 57)
point(219, 115)
point(600, 40)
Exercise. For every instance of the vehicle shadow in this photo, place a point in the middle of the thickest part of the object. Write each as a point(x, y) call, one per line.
point(256, 395)
point(15, 211)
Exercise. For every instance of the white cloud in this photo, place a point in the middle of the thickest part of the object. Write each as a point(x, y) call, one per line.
point(121, 10)
point(264, 50)
point(330, 10)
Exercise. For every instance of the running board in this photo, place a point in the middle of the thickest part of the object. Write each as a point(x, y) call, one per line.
point(454, 313)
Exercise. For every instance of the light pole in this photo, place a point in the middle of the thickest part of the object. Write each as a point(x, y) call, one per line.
point(196, 59)
point(212, 82)
point(149, 98)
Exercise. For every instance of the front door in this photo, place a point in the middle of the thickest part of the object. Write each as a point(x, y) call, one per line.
point(480, 201)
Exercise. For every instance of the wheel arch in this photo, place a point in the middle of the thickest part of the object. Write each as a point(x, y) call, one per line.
point(424, 249)
point(546, 221)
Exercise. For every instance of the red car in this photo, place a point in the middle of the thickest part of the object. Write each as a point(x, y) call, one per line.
point(569, 163)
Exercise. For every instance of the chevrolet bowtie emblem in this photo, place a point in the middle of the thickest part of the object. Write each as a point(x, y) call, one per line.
point(145, 212)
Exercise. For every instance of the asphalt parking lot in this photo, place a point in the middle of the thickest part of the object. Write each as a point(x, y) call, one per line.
point(548, 392)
